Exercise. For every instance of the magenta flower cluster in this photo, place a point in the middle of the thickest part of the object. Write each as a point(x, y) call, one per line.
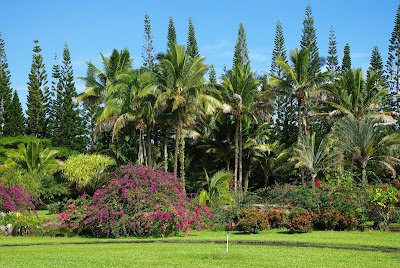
point(136, 201)
point(16, 199)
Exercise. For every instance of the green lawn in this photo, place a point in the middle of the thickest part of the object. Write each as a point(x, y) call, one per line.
point(206, 255)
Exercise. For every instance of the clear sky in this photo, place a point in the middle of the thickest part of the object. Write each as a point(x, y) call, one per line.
point(90, 27)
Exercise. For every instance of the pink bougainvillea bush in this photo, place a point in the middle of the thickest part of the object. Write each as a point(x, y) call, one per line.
point(136, 201)
point(16, 199)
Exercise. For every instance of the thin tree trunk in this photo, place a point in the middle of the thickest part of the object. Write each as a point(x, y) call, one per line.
point(228, 163)
point(144, 147)
point(299, 115)
point(149, 146)
point(303, 182)
point(240, 155)
point(182, 158)
point(236, 154)
point(313, 175)
point(140, 152)
point(116, 150)
point(166, 149)
point(177, 137)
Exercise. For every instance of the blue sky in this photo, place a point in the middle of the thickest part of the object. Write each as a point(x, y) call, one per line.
point(91, 27)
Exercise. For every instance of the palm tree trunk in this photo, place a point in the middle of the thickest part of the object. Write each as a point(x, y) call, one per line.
point(236, 155)
point(149, 146)
point(228, 163)
point(313, 175)
point(177, 137)
point(116, 150)
point(140, 152)
point(144, 147)
point(166, 149)
point(299, 115)
point(240, 155)
point(182, 158)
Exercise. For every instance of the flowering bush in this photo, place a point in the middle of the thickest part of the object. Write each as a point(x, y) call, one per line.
point(300, 220)
point(16, 199)
point(384, 199)
point(252, 220)
point(136, 201)
point(346, 221)
point(276, 217)
point(24, 225)
point(327, 219)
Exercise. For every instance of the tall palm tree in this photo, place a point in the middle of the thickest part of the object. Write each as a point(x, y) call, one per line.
point(301, 81)
point(362, 140)
point(315, 158)
point(359, 97)
point(35, 158)
point(181, 81)
point(242, 99)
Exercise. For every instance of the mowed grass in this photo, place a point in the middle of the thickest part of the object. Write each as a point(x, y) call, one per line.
point(189, 255)
point(206, 255)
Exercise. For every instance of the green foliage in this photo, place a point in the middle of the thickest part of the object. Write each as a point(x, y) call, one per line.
point(212, 76)
point(241, 53)
point(278, 51)
point(346, 62)
point(36, 121)
point(35, 158)
point(87, 171)
point(309, 39)
point(252, 221)
point(332, 59)
point(376, 64)
point(18, 177)
point(5, 86)
point(384, 199)
point(192, 48)
point(14, 118)
point(217, 192)
point(148, 46)
point(171, 37)
point(23, 225)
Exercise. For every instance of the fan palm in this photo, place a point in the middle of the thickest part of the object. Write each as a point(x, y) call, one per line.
point(361, 140)
point(35, 158)
point(181, 81)
point(315, 158)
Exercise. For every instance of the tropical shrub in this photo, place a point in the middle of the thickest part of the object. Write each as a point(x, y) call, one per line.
point(16, 199)
point(252, 220)
point(136, 201)
point(25, 225)
point(383, 200)
point(300, 220)
point(327, 219)
point(346, 221)
point(87, 172)
point(276, 217)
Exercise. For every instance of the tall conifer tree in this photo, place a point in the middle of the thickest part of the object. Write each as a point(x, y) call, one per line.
point(36, 120)
point(346, 62)
point(5, 85)
point(14, 123)
point(393, 61)
point(376, 64)
point(171, 37)
point(241, 54)
point(148, 46)
point(309, 38)
point(279, 50)
point(212, 76)
point(332, 59)
point(192, 48)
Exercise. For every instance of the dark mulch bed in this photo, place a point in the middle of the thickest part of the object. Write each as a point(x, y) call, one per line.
point(257, 243)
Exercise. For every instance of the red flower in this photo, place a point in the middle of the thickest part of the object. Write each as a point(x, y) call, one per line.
point(307, 173)
point(330, 199)
point(317, 183)
point(392, 212)
point(341, 187)
point(347, 197)
point(384, 188)
point(231, 227)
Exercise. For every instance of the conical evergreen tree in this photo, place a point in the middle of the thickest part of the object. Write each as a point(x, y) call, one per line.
point(346, 63)
point(148, 47)
point(279, 50)
point(241, 54)
point(36, 120)
point(192, 48)
point(309, 38)
point(376, 64)
point(332, 59)
point(70, 128)
point(56, 101)
point(5, 85)
point(171, 37)
point(14, 123)
point(212, 76)
point(393, 61)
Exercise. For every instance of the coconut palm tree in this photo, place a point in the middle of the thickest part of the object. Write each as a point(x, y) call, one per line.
point(181, 81)
point(358, 97)
point(364, 143)
point(35, 158)
point(301, 81)
point(242, 99)
point(313, 157)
